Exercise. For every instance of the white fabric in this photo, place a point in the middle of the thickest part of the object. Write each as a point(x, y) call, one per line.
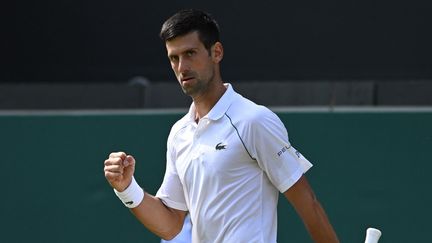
point(132, 196)
point(227, 170)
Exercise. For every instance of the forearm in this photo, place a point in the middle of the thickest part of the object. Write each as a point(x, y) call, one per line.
point(311, 212)
point(158, 218)
point(318, 224)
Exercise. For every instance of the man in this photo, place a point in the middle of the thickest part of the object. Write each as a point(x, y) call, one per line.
point(227, 159)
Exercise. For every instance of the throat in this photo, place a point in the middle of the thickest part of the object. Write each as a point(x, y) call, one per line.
point(205, 102)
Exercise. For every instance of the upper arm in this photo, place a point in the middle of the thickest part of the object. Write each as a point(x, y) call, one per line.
point(273, 152)
point(171, 189)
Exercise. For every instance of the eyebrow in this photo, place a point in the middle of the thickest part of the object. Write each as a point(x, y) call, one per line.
point(187, 50)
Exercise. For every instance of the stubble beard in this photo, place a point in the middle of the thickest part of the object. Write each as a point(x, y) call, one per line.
point(199, 87)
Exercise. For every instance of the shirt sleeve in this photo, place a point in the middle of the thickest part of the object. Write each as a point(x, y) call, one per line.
point(282, 163)
point(171, 191)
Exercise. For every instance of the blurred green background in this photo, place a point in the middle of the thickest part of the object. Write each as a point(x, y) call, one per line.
point(370, 169)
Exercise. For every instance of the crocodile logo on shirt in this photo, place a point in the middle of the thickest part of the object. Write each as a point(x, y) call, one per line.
point(220, 146)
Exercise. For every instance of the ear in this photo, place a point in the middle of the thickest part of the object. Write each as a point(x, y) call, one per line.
point(217, 52)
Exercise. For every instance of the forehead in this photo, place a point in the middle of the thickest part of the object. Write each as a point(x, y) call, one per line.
point(183, 43)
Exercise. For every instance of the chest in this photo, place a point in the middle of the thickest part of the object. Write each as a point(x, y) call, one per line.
point(214, 153)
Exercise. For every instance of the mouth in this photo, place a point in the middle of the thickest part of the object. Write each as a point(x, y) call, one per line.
point(186, 80)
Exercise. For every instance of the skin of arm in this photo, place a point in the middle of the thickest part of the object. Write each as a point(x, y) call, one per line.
point(307, 206)
point(163, 221)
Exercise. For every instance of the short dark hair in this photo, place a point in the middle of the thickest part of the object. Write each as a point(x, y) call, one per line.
point(189, 20)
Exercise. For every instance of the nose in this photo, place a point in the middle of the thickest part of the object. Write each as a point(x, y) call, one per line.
point(183, 65)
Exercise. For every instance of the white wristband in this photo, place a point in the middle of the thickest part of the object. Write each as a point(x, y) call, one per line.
point(132, 196)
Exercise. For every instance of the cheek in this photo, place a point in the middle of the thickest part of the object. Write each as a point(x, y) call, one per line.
point(208, 69)
point(174, 68)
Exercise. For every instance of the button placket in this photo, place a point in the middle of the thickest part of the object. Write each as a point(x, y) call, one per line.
point(199, 129)
point(202, 124)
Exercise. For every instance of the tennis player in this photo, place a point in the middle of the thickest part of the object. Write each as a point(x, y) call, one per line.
point(227, 158)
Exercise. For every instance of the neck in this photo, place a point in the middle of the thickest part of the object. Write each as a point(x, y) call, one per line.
point(205, 101)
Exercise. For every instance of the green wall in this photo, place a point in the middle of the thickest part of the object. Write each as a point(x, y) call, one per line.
point(370, 169)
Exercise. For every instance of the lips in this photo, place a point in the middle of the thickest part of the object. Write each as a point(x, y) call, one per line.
point(186, 79)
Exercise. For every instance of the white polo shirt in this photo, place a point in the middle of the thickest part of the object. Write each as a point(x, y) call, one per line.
point(228, 170)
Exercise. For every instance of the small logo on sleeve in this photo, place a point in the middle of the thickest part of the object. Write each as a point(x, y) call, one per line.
point(283, 150)
point(220, 146)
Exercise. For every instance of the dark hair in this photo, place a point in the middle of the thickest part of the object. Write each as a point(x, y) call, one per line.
point(189, 20)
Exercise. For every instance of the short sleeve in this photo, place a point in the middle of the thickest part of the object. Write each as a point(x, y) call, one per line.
point(171, 191)
point(282, 163)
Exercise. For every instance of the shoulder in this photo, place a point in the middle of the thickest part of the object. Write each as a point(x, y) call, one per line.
point(255, 122)
point(246, 111)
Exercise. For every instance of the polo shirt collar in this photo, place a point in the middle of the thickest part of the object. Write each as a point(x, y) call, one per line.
point(220, 107)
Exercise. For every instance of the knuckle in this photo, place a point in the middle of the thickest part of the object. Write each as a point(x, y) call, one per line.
point(112, 161)
point(114, 154)
point(116, 161)
point(117, 154)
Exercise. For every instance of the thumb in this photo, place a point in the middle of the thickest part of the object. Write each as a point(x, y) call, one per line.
point(129, 161)
point(129, 166)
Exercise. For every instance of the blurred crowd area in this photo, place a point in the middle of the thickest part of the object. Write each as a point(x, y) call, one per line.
point(80, 54)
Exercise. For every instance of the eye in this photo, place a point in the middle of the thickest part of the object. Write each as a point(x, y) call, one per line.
point(173, 58)
point(190, 53)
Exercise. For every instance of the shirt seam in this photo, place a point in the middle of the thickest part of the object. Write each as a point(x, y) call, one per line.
point(238, 134)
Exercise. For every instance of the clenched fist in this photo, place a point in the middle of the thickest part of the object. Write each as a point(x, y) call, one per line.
point(119, 169)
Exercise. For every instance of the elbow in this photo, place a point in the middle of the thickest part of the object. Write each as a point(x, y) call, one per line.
point(167, 237)
point(170, 234)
